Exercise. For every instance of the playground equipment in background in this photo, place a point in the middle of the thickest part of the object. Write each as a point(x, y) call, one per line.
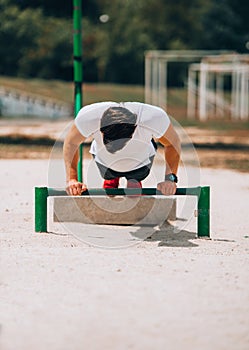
point(217, 82)
point(208, 93)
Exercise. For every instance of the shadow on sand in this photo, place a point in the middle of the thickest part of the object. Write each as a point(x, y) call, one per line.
point(167, 235)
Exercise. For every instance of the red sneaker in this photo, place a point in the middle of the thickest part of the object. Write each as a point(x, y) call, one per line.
point(134, 184)
point(111, 183)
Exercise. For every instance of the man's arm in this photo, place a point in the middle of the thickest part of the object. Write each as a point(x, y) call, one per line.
point(71, 155)
point(172, 150)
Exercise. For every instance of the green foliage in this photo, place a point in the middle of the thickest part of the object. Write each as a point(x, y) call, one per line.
point(126, 39)
point(226, 25)
point(61, 9)
point(18, 31)
point(34, 45)
point(51, 56)
point(36, 35)
point(219, 24)
point(174, 24)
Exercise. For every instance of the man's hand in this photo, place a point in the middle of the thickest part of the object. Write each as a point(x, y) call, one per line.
point(75, 188)
point(167, 188)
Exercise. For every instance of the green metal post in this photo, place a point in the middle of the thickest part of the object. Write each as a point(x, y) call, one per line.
point(80, 164)
point(203, 219)
point(41, 195)
point(78, 72)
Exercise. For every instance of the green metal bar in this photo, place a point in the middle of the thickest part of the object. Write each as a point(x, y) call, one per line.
point(203, 218)
point(192, 191)
point(41, 195)
point(78, 71)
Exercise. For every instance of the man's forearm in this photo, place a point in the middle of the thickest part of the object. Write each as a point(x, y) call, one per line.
point(172, 149)
point(172, 158)
point(71, 156)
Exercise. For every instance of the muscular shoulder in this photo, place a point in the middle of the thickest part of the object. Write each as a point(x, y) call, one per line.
point(88, 119)
point(150, 117)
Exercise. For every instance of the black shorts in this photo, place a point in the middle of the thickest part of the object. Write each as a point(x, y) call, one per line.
point(137, 174)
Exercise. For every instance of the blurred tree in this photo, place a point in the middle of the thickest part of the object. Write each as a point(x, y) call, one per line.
point(241, 8)
point(91, 51)
point(226, 26)
point(51, 56)
point(55, 8)
point(36, 35)
point(121, 42)
point(18, 31)
point(34, 45)
point(174, 24)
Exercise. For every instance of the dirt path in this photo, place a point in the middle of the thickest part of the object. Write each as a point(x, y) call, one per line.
point(172, 291)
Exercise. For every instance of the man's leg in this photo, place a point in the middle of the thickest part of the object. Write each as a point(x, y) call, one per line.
point(113, 183)
point(135, 177)
point(111, 178)
point(132, 183)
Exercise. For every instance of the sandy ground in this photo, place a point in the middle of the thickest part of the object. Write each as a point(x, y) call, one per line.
point(172, 291)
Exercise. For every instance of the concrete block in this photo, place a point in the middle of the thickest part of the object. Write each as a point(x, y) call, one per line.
point(118, 210)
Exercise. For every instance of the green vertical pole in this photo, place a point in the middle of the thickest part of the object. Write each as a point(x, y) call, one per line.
point(41, 195)
point(203, 224)
point(78, 72)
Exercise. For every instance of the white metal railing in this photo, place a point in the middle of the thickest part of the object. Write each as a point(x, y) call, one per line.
point(15, 103)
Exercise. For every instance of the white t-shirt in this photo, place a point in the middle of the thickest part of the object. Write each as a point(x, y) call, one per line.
point(152, 121)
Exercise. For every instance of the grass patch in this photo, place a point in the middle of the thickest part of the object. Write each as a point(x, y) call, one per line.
point(55, 89)
point(64, 92)
point(112, 92)
point(224, 124)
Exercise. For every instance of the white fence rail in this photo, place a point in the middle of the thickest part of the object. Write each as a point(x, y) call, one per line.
point(208, 95)
point(13, 103)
